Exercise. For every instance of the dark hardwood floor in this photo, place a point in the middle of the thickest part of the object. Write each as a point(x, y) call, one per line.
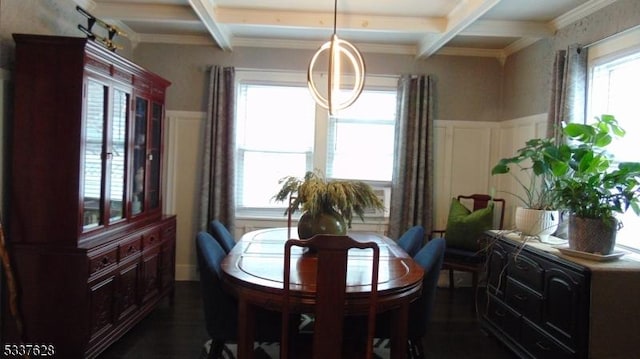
point(178, 332)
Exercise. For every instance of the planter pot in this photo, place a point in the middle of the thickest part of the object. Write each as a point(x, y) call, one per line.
point(592, 235)
point(323, 223)
point(535, 222)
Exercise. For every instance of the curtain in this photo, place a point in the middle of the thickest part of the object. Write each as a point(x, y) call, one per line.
point(568, 100)
point(217, 189)
point(412, 181)
point(568, 90)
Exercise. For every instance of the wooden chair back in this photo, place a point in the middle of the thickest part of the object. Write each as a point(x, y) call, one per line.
point(331, 283)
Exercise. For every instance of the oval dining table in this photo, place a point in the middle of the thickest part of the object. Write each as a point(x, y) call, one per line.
point(253, 272)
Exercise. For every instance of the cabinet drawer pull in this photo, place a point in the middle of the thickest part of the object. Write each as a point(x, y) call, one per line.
point(131, 249)
point(542, 346)
point(105, 260)
point(500, 313)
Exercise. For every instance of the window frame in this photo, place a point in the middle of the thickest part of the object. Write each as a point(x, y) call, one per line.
point(601, 54)
point(319, 155)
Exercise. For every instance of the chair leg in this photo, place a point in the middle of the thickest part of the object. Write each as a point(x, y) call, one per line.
point(474, 285)
point(451, 280)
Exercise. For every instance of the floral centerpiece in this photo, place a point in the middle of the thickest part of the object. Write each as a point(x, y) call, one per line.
point(328, 205)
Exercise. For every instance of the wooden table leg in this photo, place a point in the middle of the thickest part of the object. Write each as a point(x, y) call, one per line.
point(246, 326)
point(399, 332)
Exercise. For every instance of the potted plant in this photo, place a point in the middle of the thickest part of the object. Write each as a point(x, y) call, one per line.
point(536, 163)
point(328, 205)
point(593, 187)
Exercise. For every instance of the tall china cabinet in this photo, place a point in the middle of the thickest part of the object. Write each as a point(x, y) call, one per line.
point(91, 249)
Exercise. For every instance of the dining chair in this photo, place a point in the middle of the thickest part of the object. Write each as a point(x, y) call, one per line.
point(470, 257)
point(411, 240)
point(221, 308)
point(331, 254)
point(222, 235)
point(430, 258)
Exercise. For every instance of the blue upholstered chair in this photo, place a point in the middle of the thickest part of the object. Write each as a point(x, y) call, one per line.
point(430, 258)
point(222, 235)
point(220, 308)
point(411, 241)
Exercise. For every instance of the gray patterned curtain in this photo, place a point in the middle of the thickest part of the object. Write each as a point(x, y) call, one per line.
point(412, 183)
point(568, 89)
point(217, 190)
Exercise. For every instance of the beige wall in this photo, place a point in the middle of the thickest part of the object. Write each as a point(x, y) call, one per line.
point(527, 73)
point(477, 80)
point(46, 17)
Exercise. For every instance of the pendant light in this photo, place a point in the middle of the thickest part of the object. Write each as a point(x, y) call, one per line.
point(338, 49)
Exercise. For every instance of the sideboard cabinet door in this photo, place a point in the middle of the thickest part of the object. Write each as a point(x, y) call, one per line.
point(538, 303)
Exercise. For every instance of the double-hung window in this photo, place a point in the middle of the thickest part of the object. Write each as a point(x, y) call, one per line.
point(280, 131)
point(613, 86)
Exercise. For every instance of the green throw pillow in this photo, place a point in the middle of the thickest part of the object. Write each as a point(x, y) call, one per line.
point(465, 228)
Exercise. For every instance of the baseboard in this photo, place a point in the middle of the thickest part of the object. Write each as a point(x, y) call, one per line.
point(185, 272)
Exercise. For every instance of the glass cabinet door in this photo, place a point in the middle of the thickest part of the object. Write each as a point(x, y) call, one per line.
point(154, 156)
point(117, 155)
point(139, 156)
point(104, 156)
point(96, 97)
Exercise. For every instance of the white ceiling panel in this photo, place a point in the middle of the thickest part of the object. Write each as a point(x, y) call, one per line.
point(422, 27)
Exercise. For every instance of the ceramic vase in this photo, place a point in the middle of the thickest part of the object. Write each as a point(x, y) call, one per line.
point(535, 222)
point(330, 222)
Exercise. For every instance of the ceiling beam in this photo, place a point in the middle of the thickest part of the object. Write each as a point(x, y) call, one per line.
point(457, 20)
point(493, 28)
point(206, 11)
point(315, 20)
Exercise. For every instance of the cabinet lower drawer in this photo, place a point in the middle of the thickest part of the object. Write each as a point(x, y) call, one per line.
point(505, 318)
point(527, 271)
point(101, 260)
point(523, 299)
point(540, 345)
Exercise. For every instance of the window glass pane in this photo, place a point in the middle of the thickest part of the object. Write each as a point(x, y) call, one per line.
point(275, 138)
point(118, 140)
point(361, 138)
point(261, 172)
point(94, 134)
point(614, 91)
point(274, 118)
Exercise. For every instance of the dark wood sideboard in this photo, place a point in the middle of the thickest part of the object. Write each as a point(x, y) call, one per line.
point(544, 304)
point(91, 249)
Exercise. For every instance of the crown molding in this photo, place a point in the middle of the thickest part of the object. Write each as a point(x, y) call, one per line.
point(580, 12)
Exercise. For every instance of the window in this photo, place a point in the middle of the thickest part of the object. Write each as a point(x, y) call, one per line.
point(280, 131)
point(614, 78)
point(363, 134)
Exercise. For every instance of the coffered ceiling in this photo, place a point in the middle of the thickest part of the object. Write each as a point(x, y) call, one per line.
point(420, 27)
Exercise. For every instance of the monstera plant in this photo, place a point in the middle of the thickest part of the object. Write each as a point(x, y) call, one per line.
point(593, 186)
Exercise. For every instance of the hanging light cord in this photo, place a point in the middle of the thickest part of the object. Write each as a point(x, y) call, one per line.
point(335, 15)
